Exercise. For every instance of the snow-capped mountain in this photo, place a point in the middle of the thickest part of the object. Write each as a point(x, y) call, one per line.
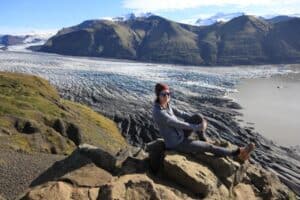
point(219, 17)
point(22, 42)
point(224, 17)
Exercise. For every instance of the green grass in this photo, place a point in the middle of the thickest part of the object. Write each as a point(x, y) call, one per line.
point(32, 98)
point(96, 127)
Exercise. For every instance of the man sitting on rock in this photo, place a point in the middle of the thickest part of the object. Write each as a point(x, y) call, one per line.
point(175, 132)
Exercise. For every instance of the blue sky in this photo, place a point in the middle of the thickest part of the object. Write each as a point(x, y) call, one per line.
point(19, 16)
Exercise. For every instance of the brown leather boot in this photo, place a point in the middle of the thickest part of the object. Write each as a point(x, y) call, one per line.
point(245, 152)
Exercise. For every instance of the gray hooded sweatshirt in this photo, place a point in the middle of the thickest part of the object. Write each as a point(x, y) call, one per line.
point(171, 128)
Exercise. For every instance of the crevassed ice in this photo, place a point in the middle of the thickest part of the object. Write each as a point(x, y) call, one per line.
point(134, 78)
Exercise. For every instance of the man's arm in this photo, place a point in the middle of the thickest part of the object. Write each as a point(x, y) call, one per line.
point(163, 116)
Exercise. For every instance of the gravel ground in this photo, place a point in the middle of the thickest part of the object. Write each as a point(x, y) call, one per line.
point(18, 170)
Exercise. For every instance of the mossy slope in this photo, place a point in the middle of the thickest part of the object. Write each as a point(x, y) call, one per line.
point(30, 109)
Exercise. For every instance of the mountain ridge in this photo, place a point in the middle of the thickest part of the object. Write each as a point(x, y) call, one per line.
point(243, 40)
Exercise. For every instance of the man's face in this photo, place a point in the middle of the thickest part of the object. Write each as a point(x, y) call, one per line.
point(164, 96)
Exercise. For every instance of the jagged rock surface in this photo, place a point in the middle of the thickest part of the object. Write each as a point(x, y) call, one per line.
point(181, 177)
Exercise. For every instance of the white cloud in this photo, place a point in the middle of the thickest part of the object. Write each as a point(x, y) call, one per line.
point(171, 5)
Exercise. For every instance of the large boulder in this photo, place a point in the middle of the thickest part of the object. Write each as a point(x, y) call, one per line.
point(267, 184)
point(75, 177)
point(60, 190)
point(226, 169)
point(100, 157)
point(51, 190)
point(223, 167)
point(193, 176)
point(135, 186)
point(87, 176)
point(62, 168)
point(244, 191)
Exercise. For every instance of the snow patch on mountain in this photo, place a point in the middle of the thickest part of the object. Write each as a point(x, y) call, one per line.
point(219, 17)
point(129, 16)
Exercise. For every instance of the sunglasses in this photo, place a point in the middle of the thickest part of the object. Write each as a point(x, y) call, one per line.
point(165, 94)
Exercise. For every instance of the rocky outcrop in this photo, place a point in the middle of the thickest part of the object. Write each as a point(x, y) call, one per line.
point(26, 126)
point(135, 186)
point(57, 190)
point(266, 182)
point(136, 124)
point(243, 191)
point(87, 176)
point(179, 177)
point(191, 175)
